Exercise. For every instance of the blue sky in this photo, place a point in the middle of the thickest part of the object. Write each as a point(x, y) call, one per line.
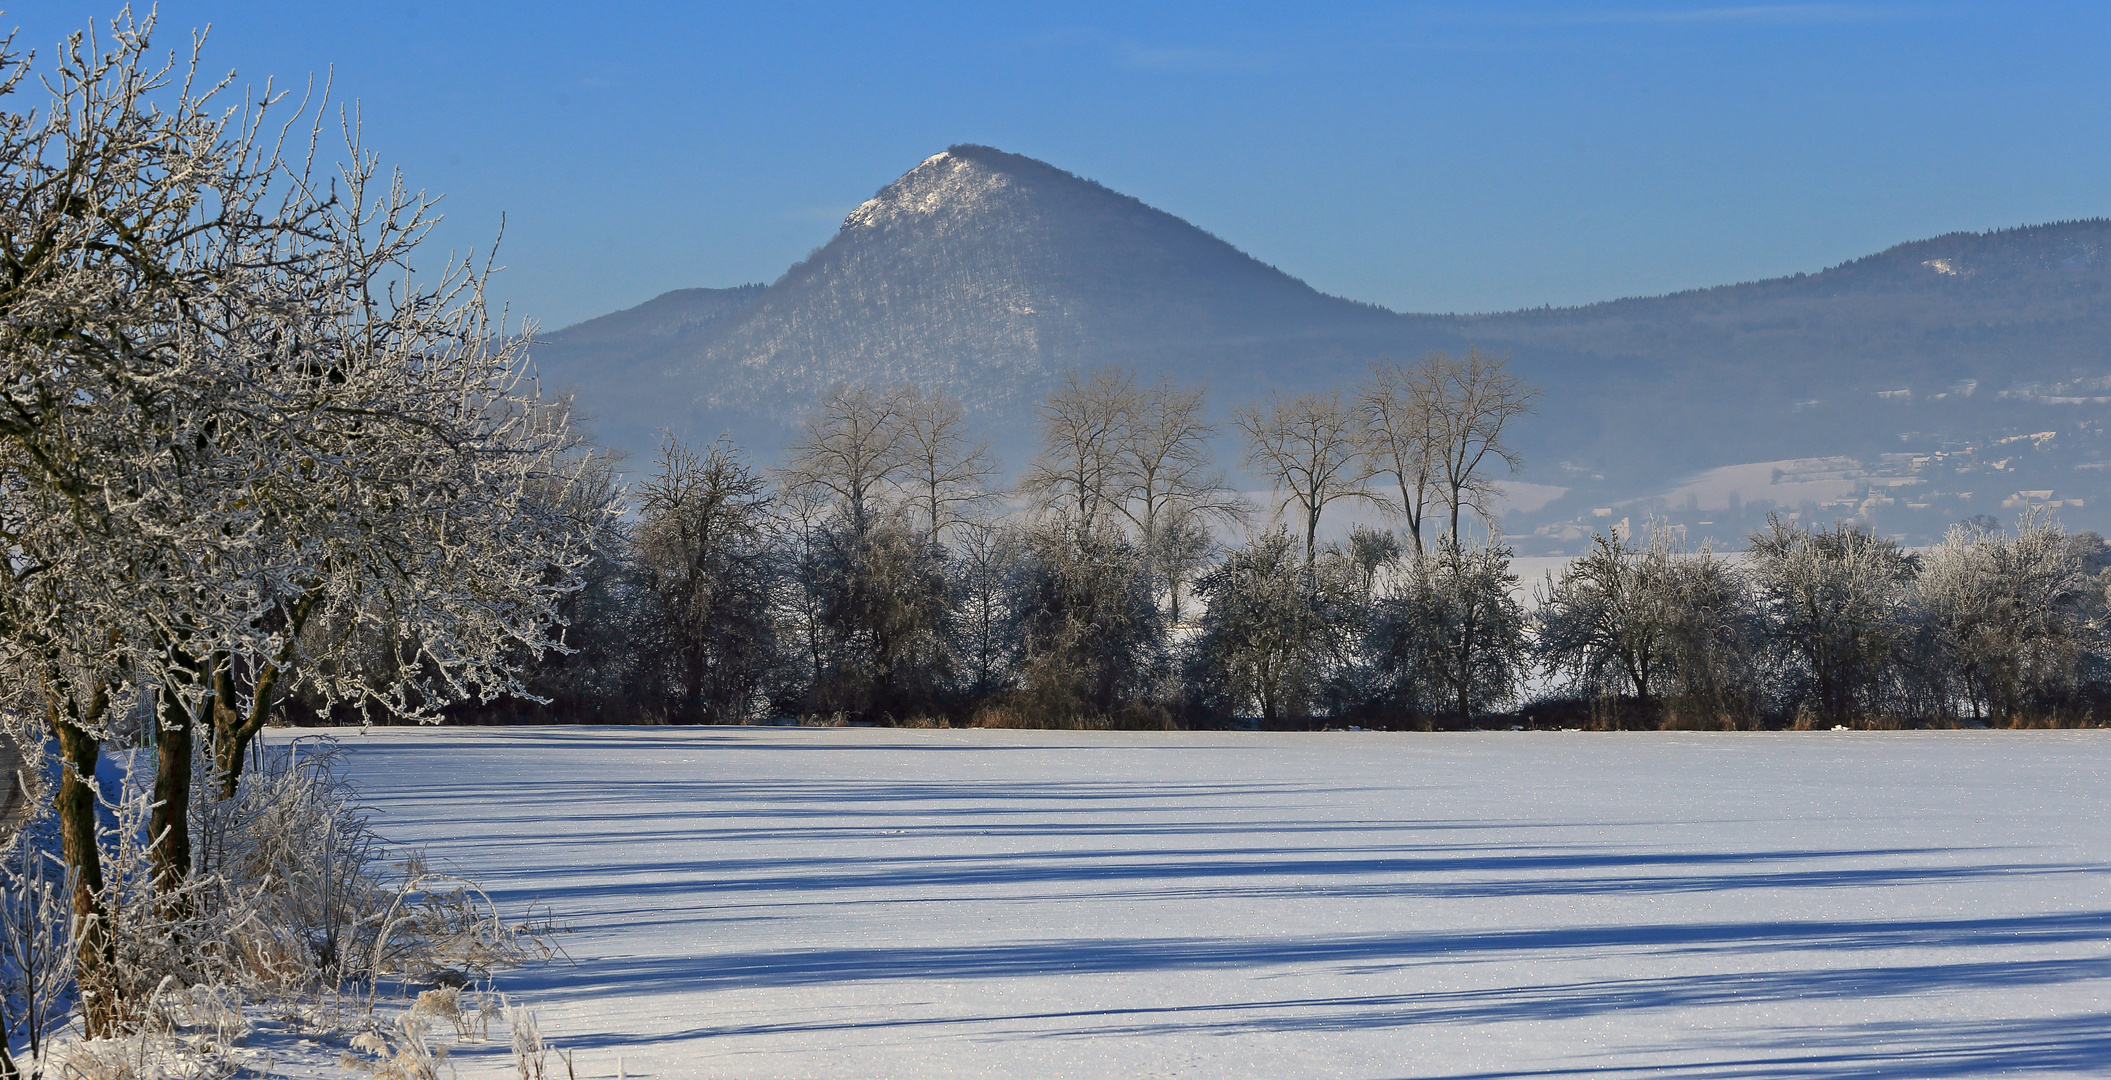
point(1428, 157)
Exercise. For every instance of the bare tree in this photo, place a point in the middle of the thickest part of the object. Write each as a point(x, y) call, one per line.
point(1401, 408)
point(1479, 399)
point(1163, 461)
point(1165, 484)
point(704, 541)
point(947, 472)
point(1180, 549)
point(1310, 448)
point(1085, 426)
point(849, 446)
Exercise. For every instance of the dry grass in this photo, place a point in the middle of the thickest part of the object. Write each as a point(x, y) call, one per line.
point(1023, 716)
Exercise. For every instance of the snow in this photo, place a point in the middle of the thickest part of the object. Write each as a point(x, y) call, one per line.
point(1789, 482)
point(758, 902)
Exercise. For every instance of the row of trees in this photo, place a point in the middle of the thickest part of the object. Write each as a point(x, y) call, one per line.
point(1840, 626)
point(880, 575)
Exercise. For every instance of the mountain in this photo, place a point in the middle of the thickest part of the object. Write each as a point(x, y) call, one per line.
point(986, 272)
point(624, 368)
point(989, 274)
point(2018, 306)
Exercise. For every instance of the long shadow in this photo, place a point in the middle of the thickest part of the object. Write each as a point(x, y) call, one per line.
point(2074, 1045)
point(1307, 872)
point(1946, 1048)
point(681, 828)
point(781, 968)
point(989, 794)
point(950, 811)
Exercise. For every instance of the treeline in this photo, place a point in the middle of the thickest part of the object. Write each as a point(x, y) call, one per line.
point(880, 577)
point(1835, 626)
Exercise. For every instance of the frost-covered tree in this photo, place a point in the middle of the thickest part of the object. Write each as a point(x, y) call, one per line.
point(1181, 545)
point(1091, 636)
point(1370, 553)
point(1605, 622)
point(101, 203)
point(1833, 609)
point(1448, 634)
point(885, 615)
point(2017, 620)
point(1273, 631)
point(1709, 671)
point(1652, 622)
point(610, 670)
point(227, 410)
point(986, 555)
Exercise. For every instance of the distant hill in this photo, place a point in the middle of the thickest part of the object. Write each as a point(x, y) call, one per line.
point(988, 274)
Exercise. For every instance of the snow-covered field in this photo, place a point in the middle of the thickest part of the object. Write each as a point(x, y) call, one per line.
point(757, 902)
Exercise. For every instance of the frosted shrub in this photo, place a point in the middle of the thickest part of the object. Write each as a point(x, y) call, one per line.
point(443, 1003)
point(403, 1053)
point(531, 1056)
point(36, 967)
point(294, 852)
point(313, 901)
point(179, 937)
point(275, 887)
point(292, 900)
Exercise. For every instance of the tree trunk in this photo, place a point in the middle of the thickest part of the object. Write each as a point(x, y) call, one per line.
point(232, 731)
point(229, 744)
point(1412, 510)
point(169, 823)
point(76, 803)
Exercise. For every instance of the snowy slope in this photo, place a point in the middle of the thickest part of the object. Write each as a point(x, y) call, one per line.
point(873, 903)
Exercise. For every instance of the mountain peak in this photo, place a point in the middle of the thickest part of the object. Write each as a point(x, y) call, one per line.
point(967, 180)
point(948, 181)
